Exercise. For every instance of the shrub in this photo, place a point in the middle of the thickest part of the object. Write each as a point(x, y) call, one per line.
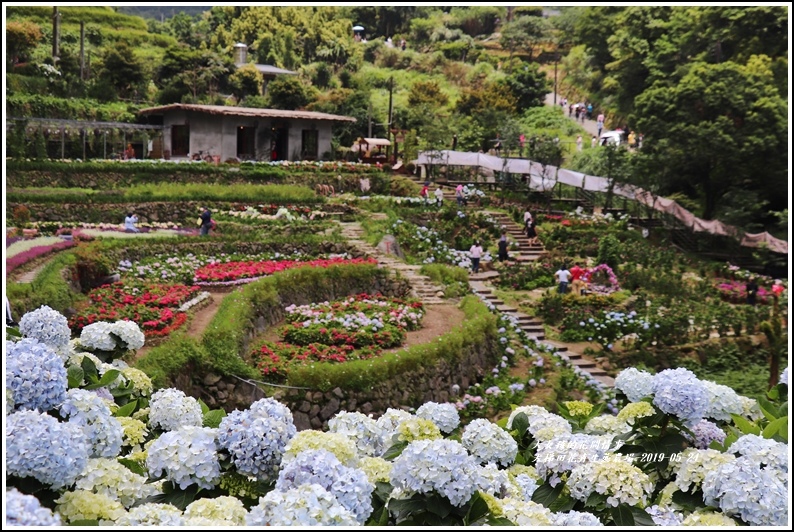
point(21, 216)
point(609, 251)
point(455, 280)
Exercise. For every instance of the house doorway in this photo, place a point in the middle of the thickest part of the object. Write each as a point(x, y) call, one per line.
point(246, 143)
point(279, 144)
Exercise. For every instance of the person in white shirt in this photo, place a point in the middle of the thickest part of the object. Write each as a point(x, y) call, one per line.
point(527, 220)
point(439, 194)
point(562, 276)
point(129, 223)
point(475, 253)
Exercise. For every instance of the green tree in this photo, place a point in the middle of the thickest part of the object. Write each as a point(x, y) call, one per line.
point(529, 86)
point(288, 92)
point(427, 92)
point(122, 69)
point(523, 34)
point(22, 36)
point(247, 80)
point(716, 127)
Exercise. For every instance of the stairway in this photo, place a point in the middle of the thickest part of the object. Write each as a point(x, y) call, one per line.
point(534, 329)
point(526, 251)
point(423, 288)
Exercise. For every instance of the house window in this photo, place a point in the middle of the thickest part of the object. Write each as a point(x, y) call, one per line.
point(180, 140)
point(309, 149)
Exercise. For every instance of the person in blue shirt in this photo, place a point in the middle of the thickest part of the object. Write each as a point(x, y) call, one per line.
point(206, 222)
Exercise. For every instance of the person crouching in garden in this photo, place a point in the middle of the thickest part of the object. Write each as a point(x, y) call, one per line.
point(206, 222)
point(129, 223)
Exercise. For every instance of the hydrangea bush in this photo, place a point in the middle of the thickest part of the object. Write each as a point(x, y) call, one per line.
point(682, 452)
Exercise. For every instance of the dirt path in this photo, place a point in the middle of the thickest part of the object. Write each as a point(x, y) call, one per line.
point(200, 320)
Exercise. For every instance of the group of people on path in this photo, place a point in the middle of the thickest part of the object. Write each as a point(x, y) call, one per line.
point(438, 194)
point(579, 110)
point(574, 276)
point(205, 222)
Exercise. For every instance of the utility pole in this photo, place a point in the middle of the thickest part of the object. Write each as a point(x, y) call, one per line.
point(82, 52)
point(369, 120)
point(391, 93)
point(556, 52)
point(56, 36)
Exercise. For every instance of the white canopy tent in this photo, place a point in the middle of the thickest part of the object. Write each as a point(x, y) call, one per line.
point(542, 178)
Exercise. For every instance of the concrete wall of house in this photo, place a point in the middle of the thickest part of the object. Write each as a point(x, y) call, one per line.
point(217, 134)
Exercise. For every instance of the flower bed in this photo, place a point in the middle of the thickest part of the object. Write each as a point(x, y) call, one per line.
point(736, 292)
point(598, 277)
point(154, 307)
point(234, 272)
point(355, 328)
point(22, 256)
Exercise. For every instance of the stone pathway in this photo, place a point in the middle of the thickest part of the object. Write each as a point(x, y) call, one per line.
point(423, 287)
point(429, 292)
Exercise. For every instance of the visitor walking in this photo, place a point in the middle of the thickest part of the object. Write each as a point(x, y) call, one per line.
point(562, 276)
point(503, 256)
point(459, 195)
point(425, 193)
point(579, 143)
point(532, 232)
point(9, 318)
point(475, 254)
point(527, 221)
point(206, 222)
point(129, 223)
point(589, 111)
point(439, 194)
point(570, 110)
point(600, 123)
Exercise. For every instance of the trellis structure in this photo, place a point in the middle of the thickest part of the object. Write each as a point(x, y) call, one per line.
point(85, 128)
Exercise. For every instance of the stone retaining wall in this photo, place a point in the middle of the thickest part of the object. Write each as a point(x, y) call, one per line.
point(180, 212)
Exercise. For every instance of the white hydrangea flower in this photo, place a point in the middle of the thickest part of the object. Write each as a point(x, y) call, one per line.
point(81, 505)
point(607, 424)
point(563, 453)
point(377, 469)
point(108, 477)
point(620, 481)
point(529, 411)
point(765, 452)
point(171, 409)
point(634, 383)
point(526, 513)
point(704, 518)
point(489, 443)
point(493, 481)
point(573, 518)
point(390, 421)
point(544, 427)
point(152, 514)
point(307, 440)
point(361, 429)
point(723, 401)
point(97, 336)
point(129, 333)
point(444, 415)
point(306, 505)
point(695, 464)
point(229, 510)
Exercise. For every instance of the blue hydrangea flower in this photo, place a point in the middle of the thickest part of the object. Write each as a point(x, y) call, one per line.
point(678, 392)
point(35, 375)
point(784, 377)
point(186, 456)
point(444, 415)
point(39, 446)
point(92, 413)
point(487, 442)
point(441, 466)
point(705, 432)
point(634, 383)
point(762, 451)
point(741, 488)
point(255, 440)
point(722, 401)
point(49, 327)
point(664, 515)
point(26, 510)
point(350, 486)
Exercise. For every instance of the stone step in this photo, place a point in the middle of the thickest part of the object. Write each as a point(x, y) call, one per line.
point(504, 308)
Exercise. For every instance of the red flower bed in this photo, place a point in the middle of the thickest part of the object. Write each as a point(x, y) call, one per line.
point(232, 271)
point(26, 256)
point(151, 306)
point(275, 359)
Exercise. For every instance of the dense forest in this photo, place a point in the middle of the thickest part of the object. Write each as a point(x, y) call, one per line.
point(706, 85)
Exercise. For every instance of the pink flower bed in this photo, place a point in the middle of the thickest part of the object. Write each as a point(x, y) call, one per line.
point(736, 292)
point(26, 256)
